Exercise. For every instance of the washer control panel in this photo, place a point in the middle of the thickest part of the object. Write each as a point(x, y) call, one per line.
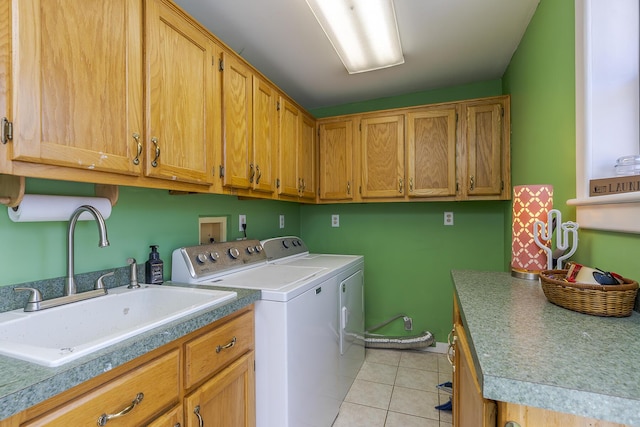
point(195, 262)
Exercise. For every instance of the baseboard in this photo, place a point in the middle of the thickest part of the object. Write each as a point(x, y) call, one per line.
point(440, 347)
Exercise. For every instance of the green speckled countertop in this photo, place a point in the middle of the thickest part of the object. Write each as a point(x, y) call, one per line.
point(531, 352)
point(24, 384)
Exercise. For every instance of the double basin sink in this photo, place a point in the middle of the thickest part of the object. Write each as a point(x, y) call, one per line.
point(62, 334)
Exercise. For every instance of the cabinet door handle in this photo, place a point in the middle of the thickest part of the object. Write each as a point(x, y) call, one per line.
point(104, 418)
point(227, 345)
point(400, 185)
point(136, 160)
point(304, 186)
point(472, 183)
point(411, 185)
point(252, 173)
point(154, 162)
point(196, 411)
point(348, 187)
point(259, 174)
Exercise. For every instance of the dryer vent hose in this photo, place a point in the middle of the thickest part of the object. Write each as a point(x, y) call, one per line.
point(423, 340)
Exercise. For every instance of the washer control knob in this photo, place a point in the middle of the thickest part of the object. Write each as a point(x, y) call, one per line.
point(250, 250)
point(234, 253)
point(201, 258)
point(298, 242)
point(285, 244)
point(258, 248)
point(214, 256)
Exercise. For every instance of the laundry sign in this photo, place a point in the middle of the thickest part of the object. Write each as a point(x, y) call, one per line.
point(623, 184)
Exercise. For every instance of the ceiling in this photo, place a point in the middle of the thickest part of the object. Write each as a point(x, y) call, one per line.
point(445, 43)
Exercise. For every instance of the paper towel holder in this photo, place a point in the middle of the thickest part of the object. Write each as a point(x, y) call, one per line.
point(12, 191)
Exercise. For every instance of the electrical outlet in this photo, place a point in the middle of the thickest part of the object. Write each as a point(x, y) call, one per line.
point(281, 221)
point(242, 219)
point(448, 218)
point(335, 220)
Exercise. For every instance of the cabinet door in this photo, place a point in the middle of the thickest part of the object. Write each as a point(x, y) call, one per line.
point(470, 408)
point(228, 399)
point(336, 160)
point(307, 158)
point(77, 79)
point(237, 116)
point(431, 157)
point(288, 142)
point(382, 150)
point(265, 128)
point(179, 98)
point(484, 149)
point(172, 418)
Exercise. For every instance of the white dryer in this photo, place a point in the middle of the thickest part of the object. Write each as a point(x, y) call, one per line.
point(347, 273)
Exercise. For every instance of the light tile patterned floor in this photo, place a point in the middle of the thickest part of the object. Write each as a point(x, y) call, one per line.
point(397, 388)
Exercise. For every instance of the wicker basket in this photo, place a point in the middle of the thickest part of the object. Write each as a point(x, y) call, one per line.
point(597, 300)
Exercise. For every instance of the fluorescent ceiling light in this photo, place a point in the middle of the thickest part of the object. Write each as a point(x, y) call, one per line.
point(364, 33)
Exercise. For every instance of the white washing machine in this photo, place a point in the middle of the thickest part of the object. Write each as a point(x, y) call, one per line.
point(298, 363)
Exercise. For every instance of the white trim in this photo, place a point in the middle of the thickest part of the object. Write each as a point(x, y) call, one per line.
point(594, 126)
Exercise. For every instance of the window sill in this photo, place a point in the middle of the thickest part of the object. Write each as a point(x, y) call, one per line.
point(613, 212)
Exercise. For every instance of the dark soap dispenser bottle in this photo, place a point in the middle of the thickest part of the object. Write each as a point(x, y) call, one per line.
point(154, 267)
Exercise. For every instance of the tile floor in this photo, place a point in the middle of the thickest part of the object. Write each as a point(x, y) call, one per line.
point(397, 388)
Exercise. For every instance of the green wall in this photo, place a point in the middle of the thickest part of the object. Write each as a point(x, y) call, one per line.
point(141, 217)
point(409, 254)
point(541, 81)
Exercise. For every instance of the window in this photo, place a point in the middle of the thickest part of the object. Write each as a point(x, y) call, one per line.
point(607, 109)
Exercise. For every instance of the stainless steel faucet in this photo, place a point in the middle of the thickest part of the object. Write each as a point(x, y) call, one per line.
point(70, 284)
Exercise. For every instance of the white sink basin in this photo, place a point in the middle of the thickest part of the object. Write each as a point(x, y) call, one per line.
point(56, 336)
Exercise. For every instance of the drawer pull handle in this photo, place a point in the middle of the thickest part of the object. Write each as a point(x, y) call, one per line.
point(196, 411)
point(104, 418)
point(228, 345)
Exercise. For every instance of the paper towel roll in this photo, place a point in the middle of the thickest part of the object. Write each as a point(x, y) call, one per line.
point(38, 207)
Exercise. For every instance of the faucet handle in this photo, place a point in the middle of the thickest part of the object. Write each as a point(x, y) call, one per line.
point(133, 283)
point(35, 298)
point(100, 283)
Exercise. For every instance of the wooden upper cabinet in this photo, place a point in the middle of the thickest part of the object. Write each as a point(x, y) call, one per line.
point(307, 161)
point(77, 98)
point(288, 148)
point(485, 153)
point(382, 151)
point(180, 94)
point(336, 160)
point(265, 133)
point(237, 122)
point(431, 152)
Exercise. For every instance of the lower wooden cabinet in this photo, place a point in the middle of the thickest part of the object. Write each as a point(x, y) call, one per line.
point(471, 409)
point(137, 397)
point(227, 399)
point(150, 390)
point(171, 418)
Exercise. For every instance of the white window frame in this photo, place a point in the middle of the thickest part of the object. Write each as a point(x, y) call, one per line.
point(606, 122)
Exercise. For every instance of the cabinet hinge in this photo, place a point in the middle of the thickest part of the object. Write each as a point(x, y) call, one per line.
point(7, 131)
point(456, 117)
point(221, 65)
point(221, 171)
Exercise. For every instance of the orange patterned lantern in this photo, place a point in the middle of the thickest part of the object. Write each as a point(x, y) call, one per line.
point(530, 203)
